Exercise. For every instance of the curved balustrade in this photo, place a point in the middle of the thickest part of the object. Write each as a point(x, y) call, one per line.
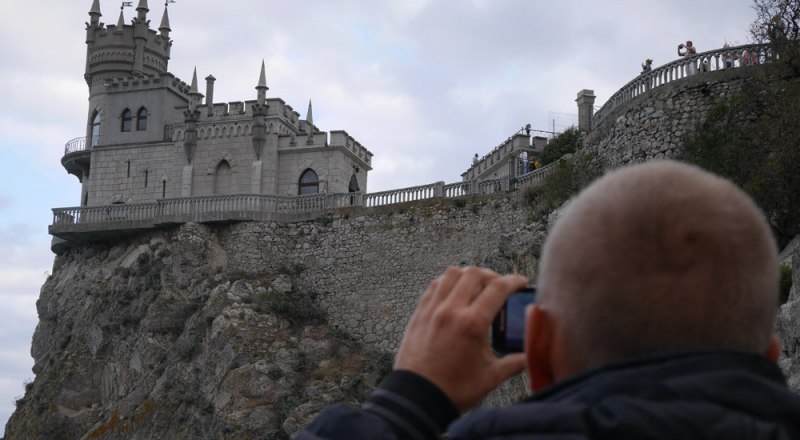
point(458, 189)
point(681, 68)
point(75, 145)
point(535, 177)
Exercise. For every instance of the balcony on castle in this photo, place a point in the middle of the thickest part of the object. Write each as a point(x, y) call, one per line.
point(77, 156)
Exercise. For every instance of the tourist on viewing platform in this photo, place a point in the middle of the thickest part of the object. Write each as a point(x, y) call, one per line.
point(729, 56)
point(688, 50)
point(475, 159)
point(654, 319)
point(746, 58)
point(647, 65)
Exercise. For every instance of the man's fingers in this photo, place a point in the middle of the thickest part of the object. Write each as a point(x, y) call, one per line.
point(469, 286)
point(495, 294)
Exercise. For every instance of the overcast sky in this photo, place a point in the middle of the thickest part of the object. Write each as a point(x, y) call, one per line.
point(423, 84)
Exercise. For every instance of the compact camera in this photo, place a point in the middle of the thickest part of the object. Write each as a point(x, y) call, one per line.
point(508, 328)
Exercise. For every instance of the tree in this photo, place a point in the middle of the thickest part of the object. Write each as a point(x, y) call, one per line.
point(754, 140)
point(777, 24)
point(563, 143)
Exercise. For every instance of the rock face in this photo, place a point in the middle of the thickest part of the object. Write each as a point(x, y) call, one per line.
point(245, 330)
point(789, 328)
point(248, 330)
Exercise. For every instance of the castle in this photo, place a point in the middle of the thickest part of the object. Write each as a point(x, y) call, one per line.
point(150, 136)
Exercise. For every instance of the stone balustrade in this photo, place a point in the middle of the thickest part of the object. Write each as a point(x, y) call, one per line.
point(403, 195)
point(535, 177)
point(100, 220)
point(681, 68)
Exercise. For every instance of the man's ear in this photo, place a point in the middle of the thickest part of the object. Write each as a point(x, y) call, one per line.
point(539, 334)
point(773, 352)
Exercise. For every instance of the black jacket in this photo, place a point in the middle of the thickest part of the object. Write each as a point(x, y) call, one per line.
point(698, 395)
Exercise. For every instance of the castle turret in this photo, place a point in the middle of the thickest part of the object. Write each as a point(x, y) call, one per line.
point(127, 50)
point(262, 84)
point(142, 9)
point(309, 115)
point(95, 14)
point(164, 27)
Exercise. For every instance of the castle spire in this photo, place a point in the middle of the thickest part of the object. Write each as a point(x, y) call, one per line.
point(262, 84)
point(95, 13)
point(164, 27)
point(309, 114)
point(121, 21)
point(193, 91)
point(142, 9)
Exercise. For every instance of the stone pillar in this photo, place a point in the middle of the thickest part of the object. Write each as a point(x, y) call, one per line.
point(186, 182)
point(255, 177)
point(438, 189)
point(585, 109)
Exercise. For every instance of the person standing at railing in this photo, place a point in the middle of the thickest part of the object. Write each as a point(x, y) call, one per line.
point(688, 50)
point(647, 66)
point(729, 56)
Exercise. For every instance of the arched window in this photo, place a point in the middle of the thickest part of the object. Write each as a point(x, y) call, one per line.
point(95, 139)
point(222, 178)
point(309, 182)
point(141, 119)
point(353, 187)
point(126, 120)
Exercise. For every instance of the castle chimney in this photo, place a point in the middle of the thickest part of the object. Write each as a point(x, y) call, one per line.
point(210, 93)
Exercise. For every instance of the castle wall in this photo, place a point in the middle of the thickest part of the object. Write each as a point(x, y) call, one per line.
point(110, 180)
point(369, 267)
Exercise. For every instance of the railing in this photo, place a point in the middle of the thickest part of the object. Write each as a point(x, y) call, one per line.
point(535, 177)
point(749, 54)
point(75, 145)
point(400, 195)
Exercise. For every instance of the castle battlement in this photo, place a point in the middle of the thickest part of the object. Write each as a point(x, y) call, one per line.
point(143, 83)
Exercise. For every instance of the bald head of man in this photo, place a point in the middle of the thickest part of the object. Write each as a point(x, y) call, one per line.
point(657, 257)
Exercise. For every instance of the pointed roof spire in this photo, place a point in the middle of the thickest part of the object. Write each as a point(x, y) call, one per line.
point(142, 9)
point(164, 27)
point(262, 85)
point(262, 78)
point(309, 114)
point(121, 21)
point(95, 8)
point(193, 88)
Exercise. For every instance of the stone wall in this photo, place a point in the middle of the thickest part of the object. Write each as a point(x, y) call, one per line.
point(369, 269)
point(655, 125)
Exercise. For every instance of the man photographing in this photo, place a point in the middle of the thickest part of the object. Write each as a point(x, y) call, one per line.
point(657, 296)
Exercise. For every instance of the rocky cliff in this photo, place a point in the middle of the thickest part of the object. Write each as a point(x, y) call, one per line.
point(246, 330)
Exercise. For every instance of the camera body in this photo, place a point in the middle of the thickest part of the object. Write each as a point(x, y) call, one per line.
point(508, 327)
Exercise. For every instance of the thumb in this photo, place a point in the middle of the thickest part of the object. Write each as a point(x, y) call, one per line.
point(509, 366)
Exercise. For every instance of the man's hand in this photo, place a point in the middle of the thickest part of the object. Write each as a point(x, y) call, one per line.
point(447, 338)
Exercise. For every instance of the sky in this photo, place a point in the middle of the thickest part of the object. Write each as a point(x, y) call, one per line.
point(423, 84)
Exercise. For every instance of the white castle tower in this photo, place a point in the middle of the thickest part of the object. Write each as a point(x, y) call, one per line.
point(150, 136)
